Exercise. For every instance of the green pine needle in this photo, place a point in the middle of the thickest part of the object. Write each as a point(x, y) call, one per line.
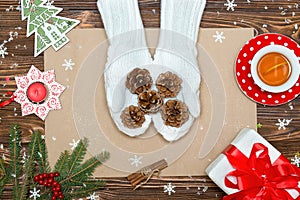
point(30, 164)
point(43, 163)
point(15, 167)
point(77, 155)
point(3, 175)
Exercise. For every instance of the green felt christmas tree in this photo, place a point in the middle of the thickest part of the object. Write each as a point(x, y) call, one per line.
point(49, 29)
point(30, 175)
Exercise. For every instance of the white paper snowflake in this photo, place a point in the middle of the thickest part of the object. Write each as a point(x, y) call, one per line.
point(169, 188)
point(34, 193)
point(296, 161)
point(3, 51)
point(68, 65)
point(74, 144)
point(219, 37)
point(49, 3)
point(136, 160)
point(93, 196)
point(230, 5)
point(283, 123)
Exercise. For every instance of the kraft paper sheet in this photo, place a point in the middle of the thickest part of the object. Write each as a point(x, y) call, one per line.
point(224, 108)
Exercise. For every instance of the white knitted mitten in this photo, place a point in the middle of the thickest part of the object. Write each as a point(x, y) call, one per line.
point(180, 20)
point(127, 50)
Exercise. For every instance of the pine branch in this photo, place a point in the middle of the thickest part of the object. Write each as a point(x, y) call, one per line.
point(4, 178)
point(15, 166)
point(29, 164)
point(62, 165)
point(43, 163)
point(87, 168)
point(77, 155)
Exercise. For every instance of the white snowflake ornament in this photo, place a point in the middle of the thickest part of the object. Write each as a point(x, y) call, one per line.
point(283, 123)
point(169, 188)
point(74, 144)
point(230, 5)
point(3, 51)
point(136, 160)
point(34, 193)
point(93, 196)
point(219, 37)
point(296, 161)
point(68, 65)
point(38, 92)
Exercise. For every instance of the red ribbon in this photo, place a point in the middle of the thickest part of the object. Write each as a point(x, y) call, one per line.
point(7, 102)
point(257, 178)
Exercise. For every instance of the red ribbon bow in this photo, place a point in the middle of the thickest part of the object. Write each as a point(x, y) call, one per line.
point(257, 178)
point(7, 102)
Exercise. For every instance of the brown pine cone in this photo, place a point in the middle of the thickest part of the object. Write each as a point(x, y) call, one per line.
point(175, 113)
point(132, 117)
point(168, 84)
point(150, 101)
point(139, 80)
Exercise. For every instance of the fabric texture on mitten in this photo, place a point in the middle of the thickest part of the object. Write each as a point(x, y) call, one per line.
point(180, 21)
point(127, 50)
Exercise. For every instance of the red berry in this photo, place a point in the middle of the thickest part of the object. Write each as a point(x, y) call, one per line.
point(60, 196)
point(55, 193)
point(55, 184)
point(53, 198)
point(56, 174)
point(45, 175)
point(51, 175)
point(41, 176)
point(36, 179)
point(51, 181)
point(41, 182)
point(58, 188)
point(45, 183)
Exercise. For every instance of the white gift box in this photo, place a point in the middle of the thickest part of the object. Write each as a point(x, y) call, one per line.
point(245, 140)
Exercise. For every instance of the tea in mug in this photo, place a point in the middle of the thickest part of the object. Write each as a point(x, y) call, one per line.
point(274, 69)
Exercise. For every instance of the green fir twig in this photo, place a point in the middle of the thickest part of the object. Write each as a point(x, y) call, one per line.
point(4, 177)
point(30, 164)
point(14, 165)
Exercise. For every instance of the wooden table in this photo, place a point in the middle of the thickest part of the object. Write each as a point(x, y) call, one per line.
point(280, 16)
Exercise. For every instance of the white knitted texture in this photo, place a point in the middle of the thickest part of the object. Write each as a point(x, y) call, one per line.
point(127, 50)
point(180, 20)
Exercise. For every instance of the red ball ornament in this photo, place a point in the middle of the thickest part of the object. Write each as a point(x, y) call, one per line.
point(37, 92)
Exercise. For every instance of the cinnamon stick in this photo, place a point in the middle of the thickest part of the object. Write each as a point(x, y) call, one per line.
point(144, 173)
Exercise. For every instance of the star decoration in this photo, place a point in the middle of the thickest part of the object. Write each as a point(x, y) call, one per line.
point(51, 101)
point(169, 188)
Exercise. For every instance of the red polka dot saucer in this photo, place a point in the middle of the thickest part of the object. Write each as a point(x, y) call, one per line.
point(243, 70)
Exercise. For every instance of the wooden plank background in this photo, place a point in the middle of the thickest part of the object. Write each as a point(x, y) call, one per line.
point(280, 16)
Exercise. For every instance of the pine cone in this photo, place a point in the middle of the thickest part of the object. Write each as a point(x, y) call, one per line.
point(168, 84)
point(139, 80)
point(132, 117)
point(175, 113)
point(150, 101)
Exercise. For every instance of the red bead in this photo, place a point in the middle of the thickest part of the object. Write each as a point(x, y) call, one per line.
point(55, 184)
point(57, 188)
point(55, 193)
point(45, 183)
point(51, 175)
point(41, 182)
point(51, 181)
point(45, 175)
point(56, 174)
point(36, 179)
point(60, 196)
point(53, 198)
point(41, 176)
